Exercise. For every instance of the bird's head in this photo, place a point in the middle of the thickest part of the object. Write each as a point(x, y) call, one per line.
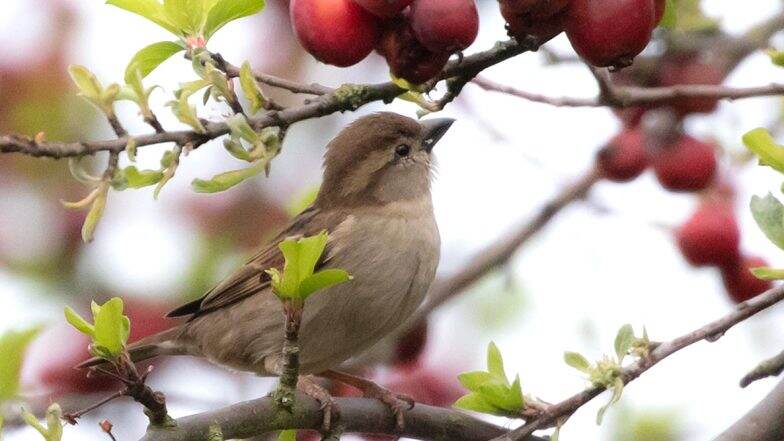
point(380, 158)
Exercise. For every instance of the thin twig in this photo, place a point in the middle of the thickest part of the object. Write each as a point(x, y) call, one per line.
point(771, 367)
point(710, 332)
point(626, 96)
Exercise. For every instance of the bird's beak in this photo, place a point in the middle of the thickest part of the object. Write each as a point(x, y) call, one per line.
point(433, 130)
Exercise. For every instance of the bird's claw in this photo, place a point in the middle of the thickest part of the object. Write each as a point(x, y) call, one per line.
point(329, 409)
point(398, 403)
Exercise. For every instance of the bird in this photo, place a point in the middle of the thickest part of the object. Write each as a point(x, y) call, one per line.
point(375, 203)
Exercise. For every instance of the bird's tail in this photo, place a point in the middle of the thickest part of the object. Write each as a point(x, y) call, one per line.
point(162, 343)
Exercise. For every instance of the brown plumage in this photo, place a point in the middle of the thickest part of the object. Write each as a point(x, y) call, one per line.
point(375, 203)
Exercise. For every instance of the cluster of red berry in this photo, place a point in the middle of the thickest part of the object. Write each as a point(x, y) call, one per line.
point(415, 36)
point(603, 32)
point(682, 163)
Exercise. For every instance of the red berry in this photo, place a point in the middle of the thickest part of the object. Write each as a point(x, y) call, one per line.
point(625, 157)
point(522, 24)
point(56, 371)
point(740, 283)
point(337, 32)
point(710, 236)
point(691, 72)
point(686, 165)
point(409, 347)
point(406, 56)
point(659, 7)
point(610, 32)
point(384, 8)
point(426, 385)
point(444, 25)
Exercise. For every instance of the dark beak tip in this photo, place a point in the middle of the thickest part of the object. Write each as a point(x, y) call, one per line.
point(434, 130)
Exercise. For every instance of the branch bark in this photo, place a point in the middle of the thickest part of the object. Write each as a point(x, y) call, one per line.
point(255, 417)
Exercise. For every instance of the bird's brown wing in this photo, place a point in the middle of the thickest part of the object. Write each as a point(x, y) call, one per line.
point(251, 278)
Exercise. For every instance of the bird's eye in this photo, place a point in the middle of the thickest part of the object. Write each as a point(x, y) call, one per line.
point(402, 150)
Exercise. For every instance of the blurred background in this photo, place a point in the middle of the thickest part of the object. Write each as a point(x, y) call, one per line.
point(608, 260)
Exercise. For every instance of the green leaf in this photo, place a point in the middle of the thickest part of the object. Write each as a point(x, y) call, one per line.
point(624, 341)
point(322, 280)
point(79, 173)
point(75, 320)
point(239, 127)
point(251, 89)
point(88, 84)
point(577, 361)
point(617, 390)
point(182, 108)
point(13, 345)
point(768, 212)
point(150, 9)
point(32, 421)
point(299, 203)
point(473, 381)
point(762, 144)
point(111, 327)
point(517, 399)
point(670, 18)
point(766, 273)
point(130, 148)
point(287, 435)
point(95, 213)
point(141, 178)
point(776, 57)
point(495, 363)
point(186, 15)
point(226, 180)
point(500, 396)
point(150, 57)
point(225, 11)
point(477, 403)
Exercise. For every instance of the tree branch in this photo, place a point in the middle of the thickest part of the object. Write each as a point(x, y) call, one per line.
point(499, 252)
point(358, 415)
point(627, 96)
point(710, 332)
point(348, 97)
point(764, 422)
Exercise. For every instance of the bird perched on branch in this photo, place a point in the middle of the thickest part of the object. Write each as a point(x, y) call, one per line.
point(375, 202)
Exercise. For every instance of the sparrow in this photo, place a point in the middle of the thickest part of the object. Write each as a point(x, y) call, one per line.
point(376, 205)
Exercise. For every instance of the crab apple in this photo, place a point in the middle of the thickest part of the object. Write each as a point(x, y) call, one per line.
point(337, 32)
point(426, 384)
point(520, 25)
point(65, 349)
point(609, 32)
point(710, 236)
point(410, 346)
point(625, 157)
point(687, 164)
point(406, 56)
point(444, 25)
point(690, 71)
point(658, 13)
point(384, 8)
point(740, 283)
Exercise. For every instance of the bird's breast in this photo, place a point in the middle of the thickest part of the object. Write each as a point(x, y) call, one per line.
point(392, 256)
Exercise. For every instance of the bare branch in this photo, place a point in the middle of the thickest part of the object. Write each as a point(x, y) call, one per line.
point(710, 332)
point(626, 96)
